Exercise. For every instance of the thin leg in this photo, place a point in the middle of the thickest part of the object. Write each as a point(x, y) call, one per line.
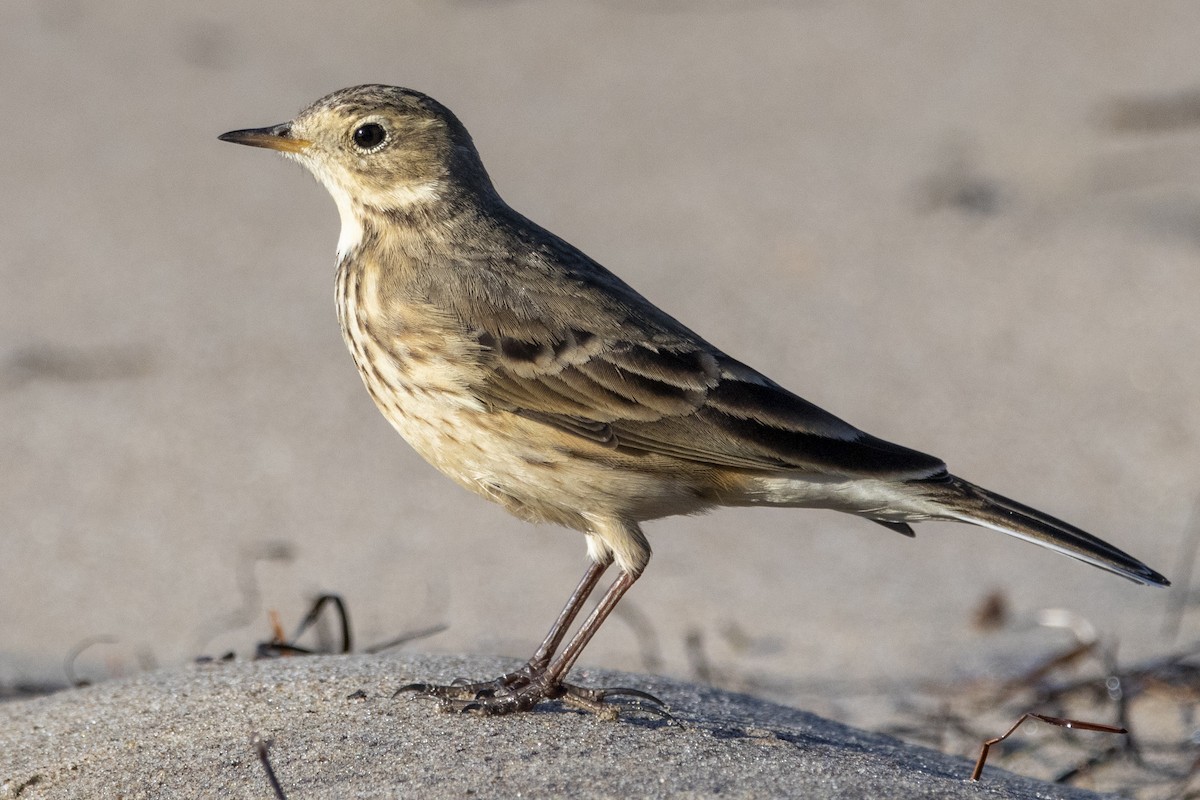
point(594, 699)
point(542, 677)
point(559, 668)
point(558, 630)
point(465, 691)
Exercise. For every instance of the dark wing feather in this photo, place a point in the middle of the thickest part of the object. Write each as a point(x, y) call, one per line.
point(694, 409)
point(577, 348)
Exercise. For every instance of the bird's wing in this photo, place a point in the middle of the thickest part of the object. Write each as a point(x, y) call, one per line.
point(681, 401)
point(576, 348)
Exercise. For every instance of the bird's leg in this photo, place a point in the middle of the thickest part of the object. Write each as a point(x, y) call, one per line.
point(558, 631)
point(542, 677)
point(582, 696)
point(537, 664)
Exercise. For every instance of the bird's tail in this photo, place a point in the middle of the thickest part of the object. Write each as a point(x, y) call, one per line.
point(966, 502)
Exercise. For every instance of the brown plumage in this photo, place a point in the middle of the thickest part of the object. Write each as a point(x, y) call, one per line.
point(533, 376)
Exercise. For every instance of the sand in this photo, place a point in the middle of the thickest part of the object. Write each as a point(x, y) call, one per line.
point(334, 730)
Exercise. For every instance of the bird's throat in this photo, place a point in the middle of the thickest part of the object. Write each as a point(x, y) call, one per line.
point(352, 227)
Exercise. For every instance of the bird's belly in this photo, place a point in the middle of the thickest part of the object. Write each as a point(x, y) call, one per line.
point(482, 451)
point(535, 471)
point(419, 373)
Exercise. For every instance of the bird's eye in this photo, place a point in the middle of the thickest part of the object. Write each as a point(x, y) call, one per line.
point(369, 136)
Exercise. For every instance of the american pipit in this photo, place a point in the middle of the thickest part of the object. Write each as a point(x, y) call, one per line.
point(533, 376)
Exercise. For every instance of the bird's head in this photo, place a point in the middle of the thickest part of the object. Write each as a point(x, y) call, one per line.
point(378, 149)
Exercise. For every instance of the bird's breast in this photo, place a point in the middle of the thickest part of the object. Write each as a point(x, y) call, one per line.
point(403, 346)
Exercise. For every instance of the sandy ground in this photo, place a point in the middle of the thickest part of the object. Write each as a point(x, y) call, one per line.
point(969, 228)
point(333, 730)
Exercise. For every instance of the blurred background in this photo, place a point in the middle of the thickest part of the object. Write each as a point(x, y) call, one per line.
point(971, 228)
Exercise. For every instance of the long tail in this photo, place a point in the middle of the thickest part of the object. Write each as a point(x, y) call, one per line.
point(964, 501)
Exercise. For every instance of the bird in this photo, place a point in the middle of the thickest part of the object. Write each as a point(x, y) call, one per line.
point(531, 375)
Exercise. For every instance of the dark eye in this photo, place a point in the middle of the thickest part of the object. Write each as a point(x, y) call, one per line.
point(370, 135)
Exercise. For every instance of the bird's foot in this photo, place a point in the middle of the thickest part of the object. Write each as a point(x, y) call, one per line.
point(525, 688)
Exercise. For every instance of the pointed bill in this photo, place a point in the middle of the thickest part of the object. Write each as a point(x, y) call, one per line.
point(276, 137)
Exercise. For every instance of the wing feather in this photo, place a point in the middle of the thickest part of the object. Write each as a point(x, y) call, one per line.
point(688, 405)
point(576, 348)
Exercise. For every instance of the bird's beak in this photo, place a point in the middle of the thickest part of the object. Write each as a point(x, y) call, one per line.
point(277, 137)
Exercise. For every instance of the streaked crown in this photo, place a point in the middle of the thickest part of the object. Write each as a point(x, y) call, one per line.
point(386, 146)
point(378, 147)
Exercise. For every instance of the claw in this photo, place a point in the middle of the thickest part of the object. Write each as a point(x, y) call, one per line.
point(521, 691)
point(616, 691)
point(642, 701)
point(462, 690)
point(597, 700)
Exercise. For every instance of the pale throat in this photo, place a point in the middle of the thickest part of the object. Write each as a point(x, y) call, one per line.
point(352, 227)
point(350, 212)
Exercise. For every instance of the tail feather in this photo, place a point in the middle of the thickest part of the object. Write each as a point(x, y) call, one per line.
point(966, 502)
